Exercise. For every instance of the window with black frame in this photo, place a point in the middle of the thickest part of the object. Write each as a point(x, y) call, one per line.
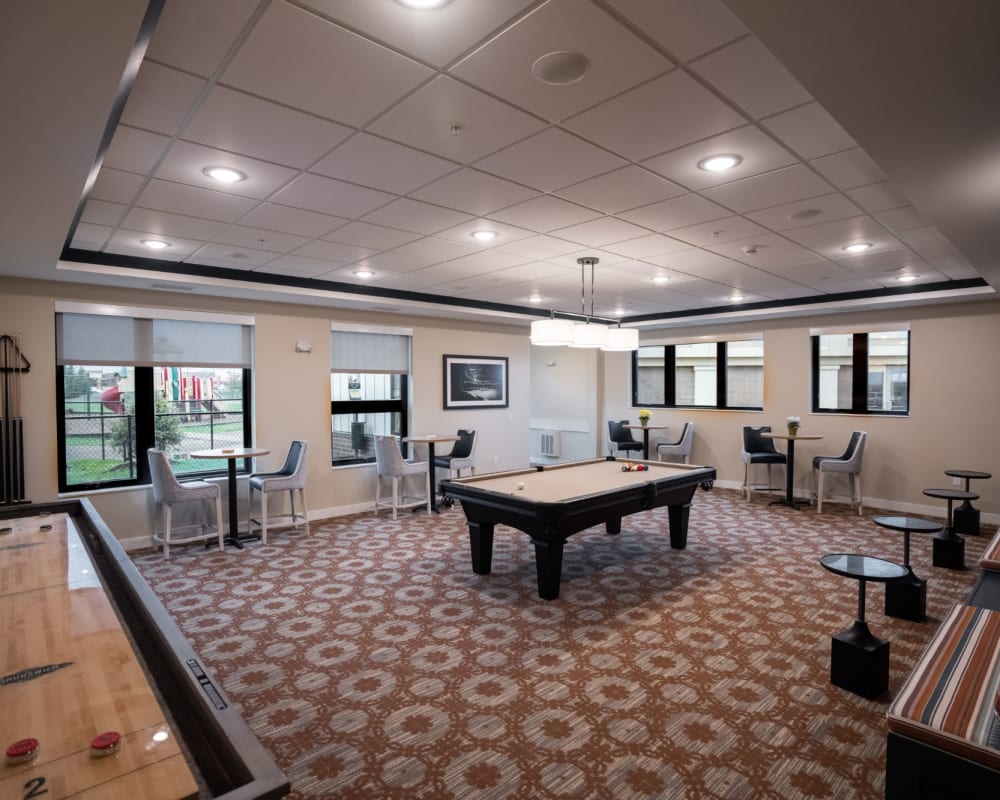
point(369, 390)
point(722, 374)
point(861, 372)
point(125, 384)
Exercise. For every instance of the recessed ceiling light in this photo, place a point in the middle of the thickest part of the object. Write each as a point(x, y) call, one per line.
point(907, 278)
point(719, 163)
point(535, 299)
point(736, 298)
point(560, 68)
point(236, 254)
point(619, 312)
point(224, 174)
point(859, 247)
point(423, 5)
point(484, 236)
point(661, 279)
point(364, 273)
point(805, 213)
point(154, 244)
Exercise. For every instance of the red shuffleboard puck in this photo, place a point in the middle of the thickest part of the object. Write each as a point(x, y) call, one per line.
point(22, 750)
point(105, 744)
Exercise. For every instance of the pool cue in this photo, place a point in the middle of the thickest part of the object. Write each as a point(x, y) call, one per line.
point(18, 494)
point(5, 460)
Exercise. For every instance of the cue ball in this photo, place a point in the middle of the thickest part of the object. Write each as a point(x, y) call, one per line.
point(520, 484)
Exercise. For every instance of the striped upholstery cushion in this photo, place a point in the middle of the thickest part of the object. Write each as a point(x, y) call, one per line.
point(949, 701)
point(991, 556)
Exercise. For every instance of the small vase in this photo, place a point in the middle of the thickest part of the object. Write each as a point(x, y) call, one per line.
point(644, 422)
point(793, 430)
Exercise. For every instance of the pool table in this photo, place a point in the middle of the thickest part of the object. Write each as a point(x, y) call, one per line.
point(551, 503)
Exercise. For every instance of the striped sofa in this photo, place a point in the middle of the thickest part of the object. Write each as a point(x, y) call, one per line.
point(986, 592)
point(944, 725)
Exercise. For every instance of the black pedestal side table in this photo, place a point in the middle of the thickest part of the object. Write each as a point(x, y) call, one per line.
point(859, 661)
point(949, 549)
point(907, 597)
point(966, 515)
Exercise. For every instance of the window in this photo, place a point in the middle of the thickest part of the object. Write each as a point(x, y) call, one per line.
point(861, 372)
point(689, 375)
point(113, 411)
point(369, 391)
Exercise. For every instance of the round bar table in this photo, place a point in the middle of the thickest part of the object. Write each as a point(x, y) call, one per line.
point(645, 435)
point(859, 661)
point(949, 549)
point(907, 597)
point(430, 440)
point(232, 455)
point(789, 499)
point(966, 515)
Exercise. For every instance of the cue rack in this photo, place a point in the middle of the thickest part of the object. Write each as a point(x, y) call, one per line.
point(13, 365)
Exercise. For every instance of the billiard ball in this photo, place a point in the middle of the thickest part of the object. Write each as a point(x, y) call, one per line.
point(520, 484)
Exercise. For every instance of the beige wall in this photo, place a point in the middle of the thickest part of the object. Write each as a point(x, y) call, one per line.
point(291, 391)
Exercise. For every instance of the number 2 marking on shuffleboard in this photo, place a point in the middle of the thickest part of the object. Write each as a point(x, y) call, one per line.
point(33, 788)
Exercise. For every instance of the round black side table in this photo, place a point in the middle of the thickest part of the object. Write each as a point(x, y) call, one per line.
point(966, 515)
point(859, 661)
point(949, 549)
point(907, 597)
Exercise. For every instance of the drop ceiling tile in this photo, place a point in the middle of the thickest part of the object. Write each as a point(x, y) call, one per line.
point(618, 59)
point(854, 284)
point(88, 236)
point(260, 239)
point(296, 58)
point(536, 270)
point(540, 247)
point(185, 162)
point(196, 35)
point(130, 243)
point(830, 239)
point(810, 131)
point(654, 126)
point(926, 275)
point(165, 224)
point(813, 211)
point(771, 189)
point(485, 261)
point(752, 78)
point(328, 196)
point(928, 241)
point(901, 219)
point(334, 251)
point(878, 197)
point(605, 258)
point(463, 233)
point(224, 255)
point(437, 36)
point(294, 221)
point(239, 123)
point(727, 229)
point(381, 164)
point(678, 212)
point(100, 212)
point(550, 160)
point(299, 265)
point(116, 186)
point(375, 237)
point(621, 190)
point(472, 190)
point(412, 215)
point(133, 150)
point(773, 252)
point(160, 98)
point(641, 275)
point(427, 251)
point(849, 169)
point(389, 262)
point(193, 201)
point(599, 232)
point(645, 246)
point(425, 118)
point(544, 214)
point(685, 28)
point(759, 152)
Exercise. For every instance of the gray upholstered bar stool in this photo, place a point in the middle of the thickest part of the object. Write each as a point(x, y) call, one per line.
point(168, 492)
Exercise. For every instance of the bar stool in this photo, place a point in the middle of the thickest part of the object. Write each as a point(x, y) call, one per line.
point(907, 597)
point(966, 516)
point(949, 549)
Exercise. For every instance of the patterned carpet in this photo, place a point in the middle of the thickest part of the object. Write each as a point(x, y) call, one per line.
point(373, 663)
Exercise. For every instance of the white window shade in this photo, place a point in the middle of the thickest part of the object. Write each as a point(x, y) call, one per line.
point(99, 339)
point(353, 351)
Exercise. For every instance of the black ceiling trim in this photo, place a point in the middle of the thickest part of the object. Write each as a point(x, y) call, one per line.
point(142, 39)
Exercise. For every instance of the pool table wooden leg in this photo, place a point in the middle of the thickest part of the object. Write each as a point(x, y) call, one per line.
point(678, 517)
point(548, 563)
point(481, 542)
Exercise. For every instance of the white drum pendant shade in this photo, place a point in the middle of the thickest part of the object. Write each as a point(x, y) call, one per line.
point(622, 339)
point(552, 332)
point(590, 335)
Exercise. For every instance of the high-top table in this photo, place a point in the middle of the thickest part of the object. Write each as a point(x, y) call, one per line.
point(645, 435)
point(907, 597)
point(430, 439)
point(966, 518)
point(859, 661)
point(949, 549)
point(232, 455)
point(789, 498)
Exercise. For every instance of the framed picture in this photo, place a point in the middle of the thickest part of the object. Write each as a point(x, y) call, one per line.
point(475, 382)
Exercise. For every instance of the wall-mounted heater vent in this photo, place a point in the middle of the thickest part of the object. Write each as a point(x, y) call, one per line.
point(550, 443)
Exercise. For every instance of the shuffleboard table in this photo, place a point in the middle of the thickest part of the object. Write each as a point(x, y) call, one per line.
point(90, 658)
point(551, 503)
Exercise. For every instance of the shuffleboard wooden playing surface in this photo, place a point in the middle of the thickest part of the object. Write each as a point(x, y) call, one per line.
point(68, 673)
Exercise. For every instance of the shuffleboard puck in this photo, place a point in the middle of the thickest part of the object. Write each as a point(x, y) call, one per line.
point(22, 750)
point(105, 744)
point(44, 527)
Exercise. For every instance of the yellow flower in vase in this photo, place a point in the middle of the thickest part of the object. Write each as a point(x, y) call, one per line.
point(644, 416)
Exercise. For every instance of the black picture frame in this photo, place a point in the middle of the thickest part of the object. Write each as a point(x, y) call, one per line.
point(475, 382)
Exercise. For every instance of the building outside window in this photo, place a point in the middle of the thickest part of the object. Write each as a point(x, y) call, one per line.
point(865, 372)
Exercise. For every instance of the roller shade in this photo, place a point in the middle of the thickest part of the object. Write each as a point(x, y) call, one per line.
point(353, 351)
